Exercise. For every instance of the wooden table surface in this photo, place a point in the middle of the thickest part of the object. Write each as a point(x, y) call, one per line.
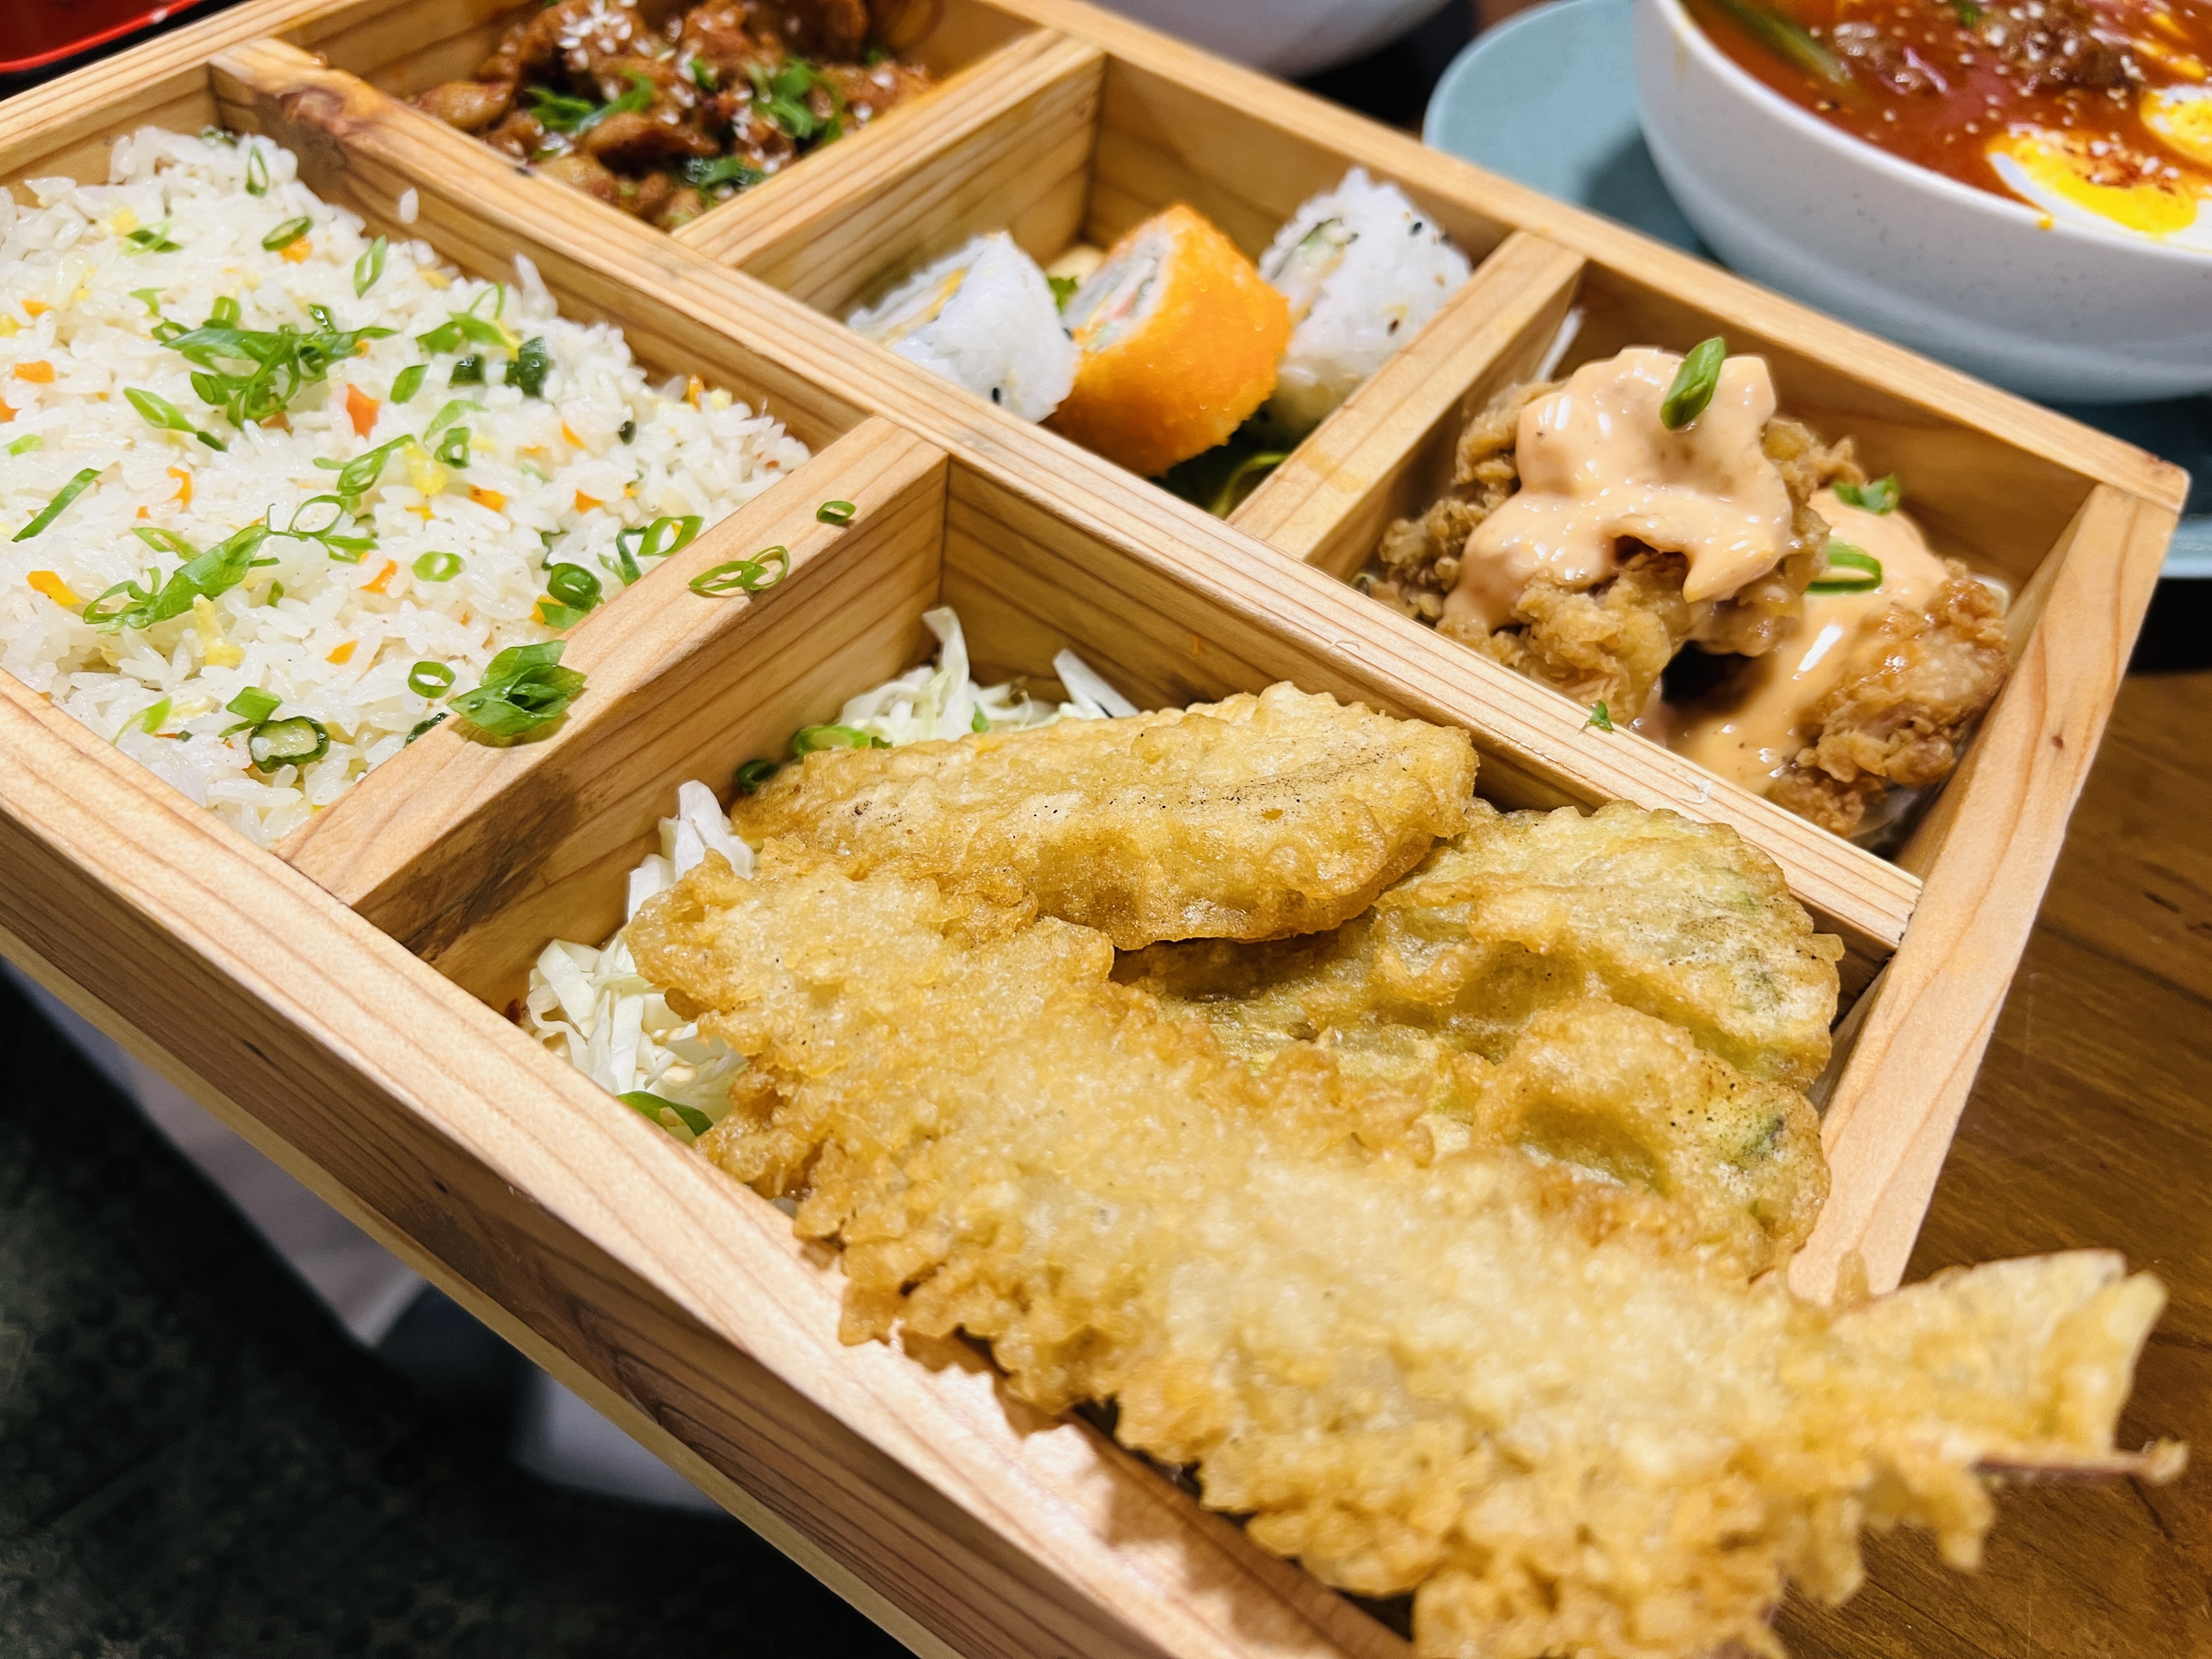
point(2092, 1125)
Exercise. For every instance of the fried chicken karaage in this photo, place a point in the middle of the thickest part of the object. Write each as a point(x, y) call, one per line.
point(1602, 626)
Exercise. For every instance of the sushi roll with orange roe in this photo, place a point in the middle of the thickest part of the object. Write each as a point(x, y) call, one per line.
point(1179, 337)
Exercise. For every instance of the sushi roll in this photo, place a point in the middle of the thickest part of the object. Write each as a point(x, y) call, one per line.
point(1362, 269)
point(1179, 337)
point(985, 319)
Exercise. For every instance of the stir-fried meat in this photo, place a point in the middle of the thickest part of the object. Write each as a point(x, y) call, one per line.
point(471, 105)
point(716, 36)
point(663, 121)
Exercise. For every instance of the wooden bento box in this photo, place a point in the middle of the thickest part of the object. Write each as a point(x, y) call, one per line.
point(342, 1003)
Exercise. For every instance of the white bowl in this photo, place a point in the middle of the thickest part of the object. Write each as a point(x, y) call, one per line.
point(1290, 37)
point(2055, 311)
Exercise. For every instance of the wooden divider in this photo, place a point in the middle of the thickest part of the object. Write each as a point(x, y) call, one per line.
point(1387, 451)
point(1891, 1117)
point(1011, 152)
point(474, 856)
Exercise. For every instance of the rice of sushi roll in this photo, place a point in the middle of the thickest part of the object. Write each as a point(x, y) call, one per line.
point(985, 319)
point(1179, 337)
point(1362, 269)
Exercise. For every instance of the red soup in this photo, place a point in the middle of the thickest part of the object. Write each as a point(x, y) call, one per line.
point(2097, 113)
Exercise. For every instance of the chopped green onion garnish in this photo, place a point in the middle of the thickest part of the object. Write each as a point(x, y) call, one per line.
point(54, 508)
point(663, 536)
point(161, 412)
point(408, 382)
point(1967, 12)
point(575, 586)
point(25, 445)
point(438, 567)
point(745, 575)
point(466, 328)
point(979, 722)
point(1249, 474)
point(1881, 495)
point(287, 233)
point(368, 268)
point(346, 549)
point(839, 512)
point(148, 297)
point(627, 432)
point(755, 773)
point(1601, 717)
point(450, 411)
point(453, 448)
point(283, 360)
point(204, 575)
point(430, 679)
point(530, 367)
point(359, 476)
point(165, 541)
point(703, 174)
point(650, 1106)
point(1694, 384)
point(151, 239)
point(148, 720)
point(631, 102)
point(256, 171)
point(556, 111)
point(524, 688)
point(298, 741)
point(1842, 555)
point(468, 371)
point(421, 726)
point(1063, 290)
point(252, 706)
point(1790, 39)
point(809, 740)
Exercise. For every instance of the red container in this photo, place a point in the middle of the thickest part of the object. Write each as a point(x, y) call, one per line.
point(46, 34)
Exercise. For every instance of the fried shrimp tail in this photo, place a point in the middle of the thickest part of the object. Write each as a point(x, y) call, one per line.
point(1250, 818)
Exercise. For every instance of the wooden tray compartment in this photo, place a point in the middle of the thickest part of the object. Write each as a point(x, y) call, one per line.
point(405, 50)
point(2004, 511)
point(670, 1297)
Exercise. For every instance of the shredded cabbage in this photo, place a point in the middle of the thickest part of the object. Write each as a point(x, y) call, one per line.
point(594, 1008)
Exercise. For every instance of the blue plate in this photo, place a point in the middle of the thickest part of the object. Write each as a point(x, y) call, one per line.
point(1548, 98)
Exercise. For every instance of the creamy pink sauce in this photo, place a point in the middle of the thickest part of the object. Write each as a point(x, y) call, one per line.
point(1759, 735)
point(1598, 465)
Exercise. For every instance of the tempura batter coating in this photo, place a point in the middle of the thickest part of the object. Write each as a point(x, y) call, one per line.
point(1525, 910)
point(1249, 819)
point(1524, 1396)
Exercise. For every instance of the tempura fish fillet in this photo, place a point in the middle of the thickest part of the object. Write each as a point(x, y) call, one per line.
point(1517, 1391)
point(1525, 910)
point(1249, 819)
